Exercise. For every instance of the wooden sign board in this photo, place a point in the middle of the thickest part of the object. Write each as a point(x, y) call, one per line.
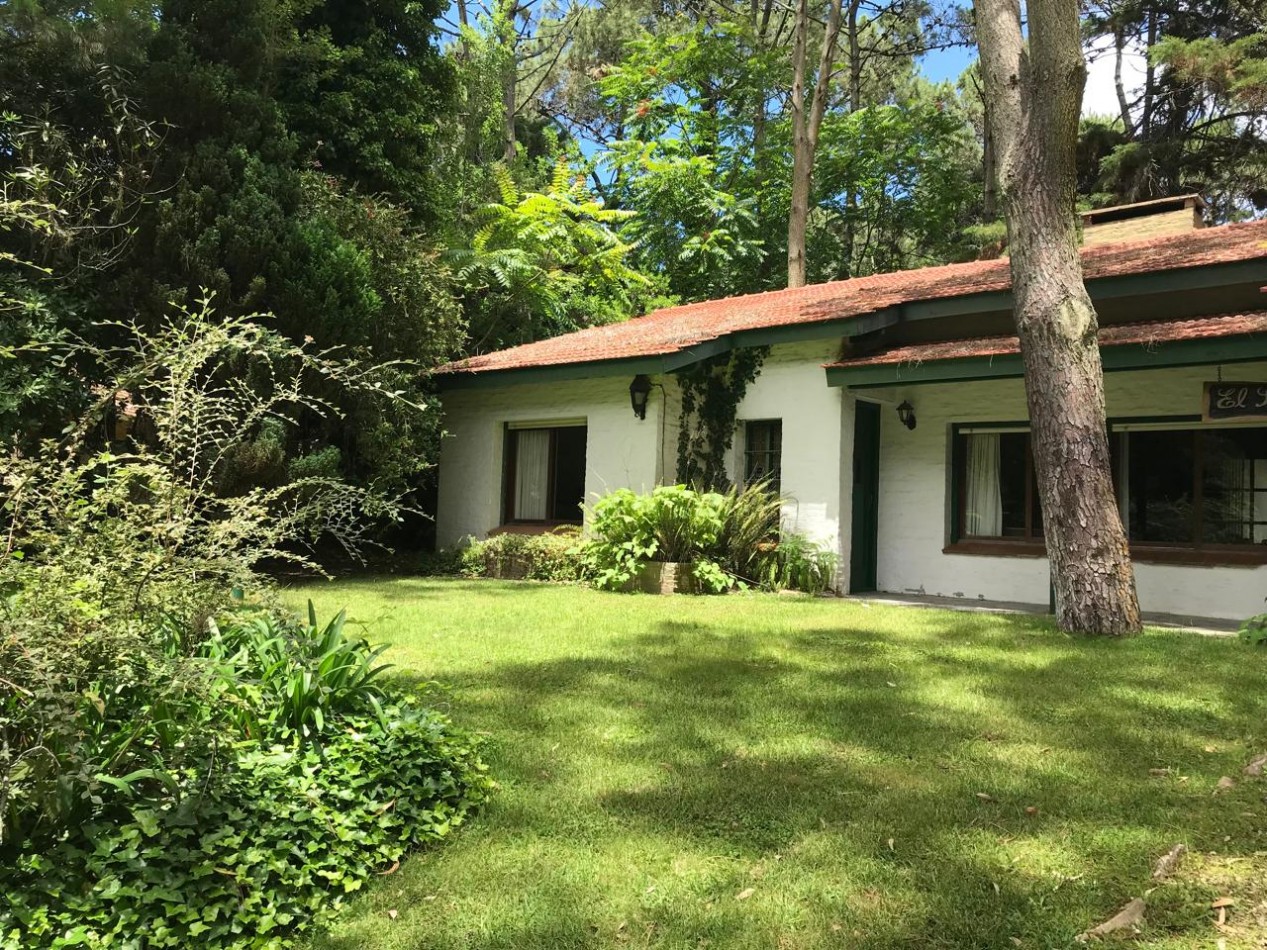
point(1231, 401)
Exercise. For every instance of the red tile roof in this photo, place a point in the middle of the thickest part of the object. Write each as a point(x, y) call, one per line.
point(678, 328)
point(1145, 334)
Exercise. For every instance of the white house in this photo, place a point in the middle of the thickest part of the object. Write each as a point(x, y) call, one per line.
point(938, 499)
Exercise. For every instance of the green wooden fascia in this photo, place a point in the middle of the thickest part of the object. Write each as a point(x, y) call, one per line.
point(1130, 356)
point(1101, 288)
point(671, 362)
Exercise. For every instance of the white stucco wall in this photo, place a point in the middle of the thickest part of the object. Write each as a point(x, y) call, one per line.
point(914, 478)
point(793, 388)
point(622, 451)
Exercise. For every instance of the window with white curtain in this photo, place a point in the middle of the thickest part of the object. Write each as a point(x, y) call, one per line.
point(998, 498)
point(1179, 486)
point(545, 473)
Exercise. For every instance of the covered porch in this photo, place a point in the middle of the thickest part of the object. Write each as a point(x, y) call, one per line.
point(952, 512)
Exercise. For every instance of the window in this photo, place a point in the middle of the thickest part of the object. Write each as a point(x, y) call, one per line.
point(998, 496)
point(1179, 489)
point(763, 452)
point(1193, 487)
point(545, 474)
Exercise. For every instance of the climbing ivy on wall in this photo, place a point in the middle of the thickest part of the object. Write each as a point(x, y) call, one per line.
point(711, 392)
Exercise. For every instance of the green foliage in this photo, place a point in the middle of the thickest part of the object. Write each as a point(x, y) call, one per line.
point(797, 563)
point(751, 518)
point(367, 94)
point(277, 677)
point(273, 840)
point(544, 263)
point(1254, 631)
point(558, 555)
point(1197, 123)
point(711, 392)
point(731, 538)
point(673, 523)
point(898, 186)
point(117, 551)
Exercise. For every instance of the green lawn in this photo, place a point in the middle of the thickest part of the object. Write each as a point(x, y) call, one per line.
point(781, 772)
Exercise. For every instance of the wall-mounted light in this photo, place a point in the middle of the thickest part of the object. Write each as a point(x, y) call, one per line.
point(639, 390)
point(906, 413)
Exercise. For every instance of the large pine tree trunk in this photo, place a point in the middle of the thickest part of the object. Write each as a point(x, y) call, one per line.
point(1033, 101)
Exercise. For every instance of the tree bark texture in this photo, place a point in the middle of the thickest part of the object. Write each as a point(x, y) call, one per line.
point(805, 127)
point(1033, 101)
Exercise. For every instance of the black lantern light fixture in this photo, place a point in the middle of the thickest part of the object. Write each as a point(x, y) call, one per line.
point(639, 390)
point(906, 413)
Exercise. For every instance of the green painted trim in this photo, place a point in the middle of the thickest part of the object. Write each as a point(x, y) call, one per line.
point(1101, 288)
point(821, 330)
point(1132, 356)
point(650, 366)
point(935, 371)
point(1149, 420)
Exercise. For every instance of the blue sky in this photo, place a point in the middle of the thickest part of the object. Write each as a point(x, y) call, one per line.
point(946, 64)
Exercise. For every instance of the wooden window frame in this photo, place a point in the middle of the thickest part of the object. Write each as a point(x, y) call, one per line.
point(776, 483)
point(1185, 552)
point(510, 454)
point(1157, 552)
point(960, 540)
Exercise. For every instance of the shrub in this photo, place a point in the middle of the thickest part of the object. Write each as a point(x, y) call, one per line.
point(558, 556)
point(730, 538)
point(177, 766)
point(275, 842)
point(276, 677)
point(751, 519)
point(116, 552)
point(1254, 631)
point(797, 563)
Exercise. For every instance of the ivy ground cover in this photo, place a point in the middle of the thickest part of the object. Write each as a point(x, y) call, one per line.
point(759, 771)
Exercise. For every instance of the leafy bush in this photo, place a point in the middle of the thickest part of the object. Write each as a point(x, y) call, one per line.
point(280, 677)
point(558, 555)
point(731, 538)
point(117, 551)
point(275, 842)
point(1254, 630)
point(751, 519)
point(797, 563)
point(177, 765)
point(673, 523)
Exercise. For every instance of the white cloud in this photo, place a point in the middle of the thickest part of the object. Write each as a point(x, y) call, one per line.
point(1100, 95)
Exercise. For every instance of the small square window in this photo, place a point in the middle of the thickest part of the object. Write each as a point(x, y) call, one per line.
point(545, 474)
point(763, 453)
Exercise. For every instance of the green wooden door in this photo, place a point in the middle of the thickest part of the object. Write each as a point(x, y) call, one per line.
point(863, 552)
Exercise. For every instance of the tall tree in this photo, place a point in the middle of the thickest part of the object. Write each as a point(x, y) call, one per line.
point(1197, 118)
point(806, 126)
point(1033, 101)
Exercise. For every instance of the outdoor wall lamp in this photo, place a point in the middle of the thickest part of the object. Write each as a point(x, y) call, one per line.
point(639, 390)
point(906, 413)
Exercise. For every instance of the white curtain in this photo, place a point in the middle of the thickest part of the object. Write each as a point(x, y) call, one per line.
point(532, 472)
point(983, 503)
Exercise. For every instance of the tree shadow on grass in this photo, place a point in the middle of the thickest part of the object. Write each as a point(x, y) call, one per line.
point(969, 784)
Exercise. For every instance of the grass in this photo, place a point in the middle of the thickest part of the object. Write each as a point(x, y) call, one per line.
point(778, 772)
